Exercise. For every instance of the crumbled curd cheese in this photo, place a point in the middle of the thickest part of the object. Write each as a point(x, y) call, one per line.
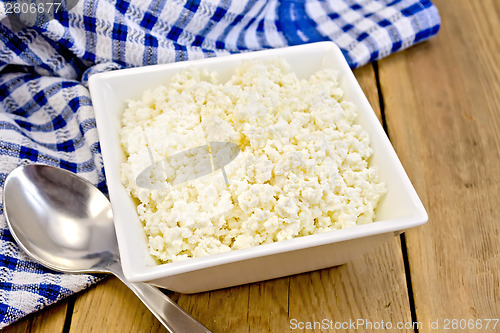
point(302, 169)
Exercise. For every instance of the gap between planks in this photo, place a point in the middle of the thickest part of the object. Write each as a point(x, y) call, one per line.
point(404, 250)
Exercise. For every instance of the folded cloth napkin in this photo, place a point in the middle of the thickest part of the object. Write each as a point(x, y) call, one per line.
point(46, 114)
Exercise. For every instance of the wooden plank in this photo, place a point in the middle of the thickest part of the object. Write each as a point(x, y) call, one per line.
point(111, 307)
point(268, 306)
point(48, 320)
point(224, 310)
point(371, 288)
point(367, 80)
point(442, 102)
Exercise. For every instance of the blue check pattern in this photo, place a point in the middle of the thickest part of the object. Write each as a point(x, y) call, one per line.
point(46, 113)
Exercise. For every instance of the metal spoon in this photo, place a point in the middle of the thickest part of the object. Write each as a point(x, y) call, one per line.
point(65, 223)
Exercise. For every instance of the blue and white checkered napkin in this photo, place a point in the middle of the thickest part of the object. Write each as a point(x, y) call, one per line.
point(46, 114)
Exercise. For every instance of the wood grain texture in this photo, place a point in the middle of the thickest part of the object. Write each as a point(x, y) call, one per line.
point(371, 288)
point(442, 105)
point(48, 320)
point(111, 307)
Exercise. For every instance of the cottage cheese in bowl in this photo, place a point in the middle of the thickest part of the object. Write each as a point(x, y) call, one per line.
point(301, 165)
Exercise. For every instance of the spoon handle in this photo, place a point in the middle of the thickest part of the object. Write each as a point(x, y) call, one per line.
point(172, 316)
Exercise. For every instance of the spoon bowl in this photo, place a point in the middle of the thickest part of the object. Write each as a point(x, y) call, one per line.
point(59, 219)
point(66, 224)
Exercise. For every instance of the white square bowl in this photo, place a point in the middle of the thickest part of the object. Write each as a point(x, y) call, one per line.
point(399, 209)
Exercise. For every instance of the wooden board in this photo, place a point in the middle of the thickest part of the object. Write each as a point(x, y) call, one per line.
point(442, 105)
point(111, 307)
